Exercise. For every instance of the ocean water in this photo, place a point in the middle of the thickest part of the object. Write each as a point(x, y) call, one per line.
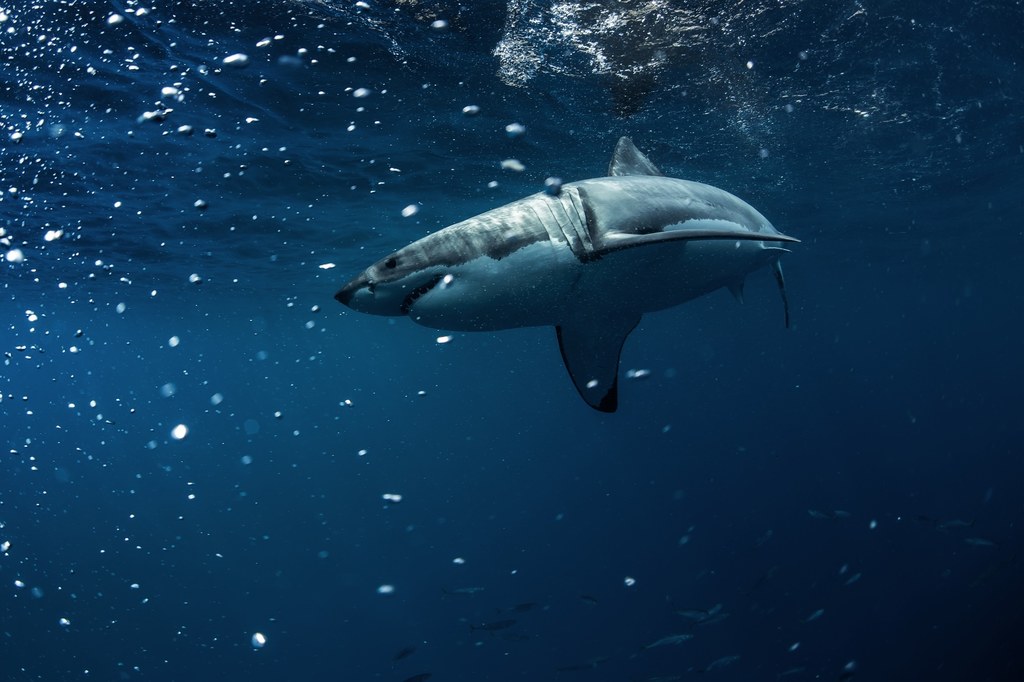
point(203, 451)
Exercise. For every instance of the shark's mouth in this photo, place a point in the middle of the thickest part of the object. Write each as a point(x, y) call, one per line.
point(419, 291)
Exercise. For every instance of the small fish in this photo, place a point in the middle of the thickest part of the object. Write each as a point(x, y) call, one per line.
point(955, 524)
point(419, 678)
point(717, 618)
point(670, 639)
point(494, 625)
point(721, 662)
point(463, 590)
point(792, 671)
point(693, 614)
point(586, 665)
point(704, 616)
point(815, 616)
point(979, 542)
point(404, 652)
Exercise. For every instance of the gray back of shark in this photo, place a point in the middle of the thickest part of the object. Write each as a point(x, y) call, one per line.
point(589, 260)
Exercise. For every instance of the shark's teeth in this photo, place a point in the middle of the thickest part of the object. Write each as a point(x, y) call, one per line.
point(419, 291)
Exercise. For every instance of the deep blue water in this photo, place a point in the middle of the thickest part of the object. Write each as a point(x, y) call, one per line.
point(841, 500)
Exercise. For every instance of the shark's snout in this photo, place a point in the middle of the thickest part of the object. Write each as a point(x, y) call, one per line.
point(348, 292)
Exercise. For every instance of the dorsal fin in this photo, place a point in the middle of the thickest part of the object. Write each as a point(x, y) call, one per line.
point(628, 160)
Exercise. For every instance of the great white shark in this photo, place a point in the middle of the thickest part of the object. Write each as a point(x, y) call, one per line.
point(589, 259)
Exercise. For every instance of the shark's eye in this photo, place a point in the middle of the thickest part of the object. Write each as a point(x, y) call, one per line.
point(391, 263)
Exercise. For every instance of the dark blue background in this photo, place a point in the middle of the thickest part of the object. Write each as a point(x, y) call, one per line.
point(895, 399)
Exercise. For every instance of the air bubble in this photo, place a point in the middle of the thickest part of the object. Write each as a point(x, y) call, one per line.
point(237, 60)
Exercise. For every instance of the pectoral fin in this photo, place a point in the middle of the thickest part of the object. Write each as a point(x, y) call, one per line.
point(616, 241)
point(590, 350)
point(781, 281)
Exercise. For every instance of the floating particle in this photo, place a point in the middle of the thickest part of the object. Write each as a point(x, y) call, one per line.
point(638, 373)
point(16, 136)
point(134, 586)
point(37, 592)
point(750, 65)
point(53, 235)
point(362, 453)
point(173, 341)
point(20, 584)
point(327, 266)
point(64, 622)
point(439, 25)
point(15, 256)
point(216, 399)
point(246, 459)
point(237, 60)
point(629, 582)
point(278, 414)
point(115, 19)
point(794, 646)
point(553, 186)
point(515, 129)
point(259, 640)
point(763, 153)
point(201, 204)
point(179, 432)
point(410, 210)
point(386, 589)
point(169, 91)
point(513, 165)
point(156, 116)
point(362, 92)
point(120, 308)
point(185, 130)
point(458, 561)
point(392, 497)
point(168, 389)
point(444, 339)
point(873, 525)
point(195, 279)
point(210, 132)
point(471, 110)
point(5, 545)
